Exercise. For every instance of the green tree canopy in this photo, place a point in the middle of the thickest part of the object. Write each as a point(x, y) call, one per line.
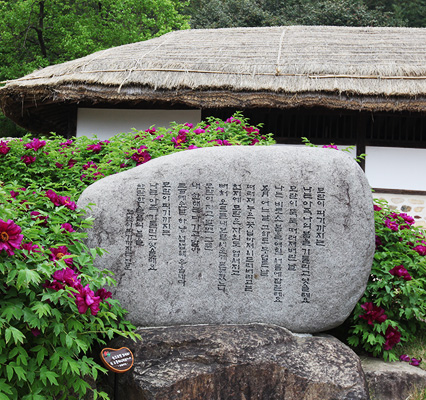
point(38, 33)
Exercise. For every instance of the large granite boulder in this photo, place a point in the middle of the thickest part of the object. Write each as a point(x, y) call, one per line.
point(237, 235)
point(393, 380)
point(239, 362)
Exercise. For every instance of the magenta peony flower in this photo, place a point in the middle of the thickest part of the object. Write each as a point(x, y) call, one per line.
point(35, 331)
point(377, 208)
point(36, 216)
point(189, 125)
point(199, 130)
point(68, 143)
point(159, 137)
point(4, 148)
point(96, 148)
point(71, 163)
point(378, 242)
point(392, 336)
point(234, 120)
point(53, 197)
point(28, 159)
point(254, 141)
point(400, 272)
point(103, 294)
point(330, 146)
point(220, 129)
point(59, 253)
point(58, 165)
point(192, 146)
point(179, 140)
point(10, 236)
point(85, 299)
point(66, 201)
point(415, 362)
point(150, 130)
point(55, 285)
point(420, 249)
point(30, 247)
point(392, 225)
point(404, 357)
point(35, 144)
point(68, 276)
point(90, 164)
point(250, 130)
point(373, 313)
point(67, 227)
point(141, 156)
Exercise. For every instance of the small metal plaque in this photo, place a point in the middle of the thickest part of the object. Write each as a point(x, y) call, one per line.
point(117, 360)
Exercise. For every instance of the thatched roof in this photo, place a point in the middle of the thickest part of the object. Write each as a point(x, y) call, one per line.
point(335, 67)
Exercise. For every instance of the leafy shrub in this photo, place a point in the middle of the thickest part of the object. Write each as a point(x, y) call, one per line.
point(393, 308)
point(54, 308)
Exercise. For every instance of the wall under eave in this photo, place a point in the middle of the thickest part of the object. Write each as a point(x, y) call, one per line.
point(105, 123)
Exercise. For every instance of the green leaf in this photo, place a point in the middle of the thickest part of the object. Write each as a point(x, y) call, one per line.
point(17, 335)
point(41, 309)
point(27, 276)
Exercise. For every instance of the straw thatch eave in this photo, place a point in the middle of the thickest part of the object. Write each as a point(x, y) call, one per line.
point(366, 69)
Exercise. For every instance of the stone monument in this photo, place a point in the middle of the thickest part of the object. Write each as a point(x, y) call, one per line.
point(236, 235)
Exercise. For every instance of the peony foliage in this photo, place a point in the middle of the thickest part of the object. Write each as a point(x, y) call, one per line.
point(55, 307)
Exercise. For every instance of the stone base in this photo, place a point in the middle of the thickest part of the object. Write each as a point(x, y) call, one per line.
point(252, 361)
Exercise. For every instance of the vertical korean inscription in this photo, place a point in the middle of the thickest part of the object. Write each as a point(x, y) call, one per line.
point(293, 224)
point(265, 230)
point(128, 253)
point(209, 217)
point(152, 217)
point(307, 218)
point(278, 227)
point(250, 201)
point(196, 215)
point(165, 208)
point(183, 231)
point(223, 235)
point(140, 212)
point(320, 218)
point(237, 228)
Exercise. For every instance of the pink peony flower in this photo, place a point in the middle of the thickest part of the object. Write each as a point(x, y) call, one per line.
point(53, 197)
point(415, 362)
point(250, 129)
point(392, 336)
point(90, 164)
point(4, 148)
point(36, 216)
point(67, 276)
point(420, 249)
point(400, 272)
point(35, 331)
point(35, 144)
point(67, 227)
point(59, 253)
point(179, 140)
point(30, 247)
point(96, 148)
point(141, 156)
point(10, 236)
point(103, 294)
point(86, 299)
point(373, 313)
point(28, 159)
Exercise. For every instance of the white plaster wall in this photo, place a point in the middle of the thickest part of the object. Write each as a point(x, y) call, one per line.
point(105, 123)
point(396, 168)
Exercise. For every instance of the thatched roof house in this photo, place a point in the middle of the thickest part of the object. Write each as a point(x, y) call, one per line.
point(273, 68)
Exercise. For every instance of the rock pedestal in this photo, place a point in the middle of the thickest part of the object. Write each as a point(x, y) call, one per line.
point(239, 362)
point(237, 235)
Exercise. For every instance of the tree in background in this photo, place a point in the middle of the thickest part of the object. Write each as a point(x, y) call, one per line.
point(233, 13)
point(38, 33)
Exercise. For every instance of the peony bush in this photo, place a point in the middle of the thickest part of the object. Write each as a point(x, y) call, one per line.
point(55, 308)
